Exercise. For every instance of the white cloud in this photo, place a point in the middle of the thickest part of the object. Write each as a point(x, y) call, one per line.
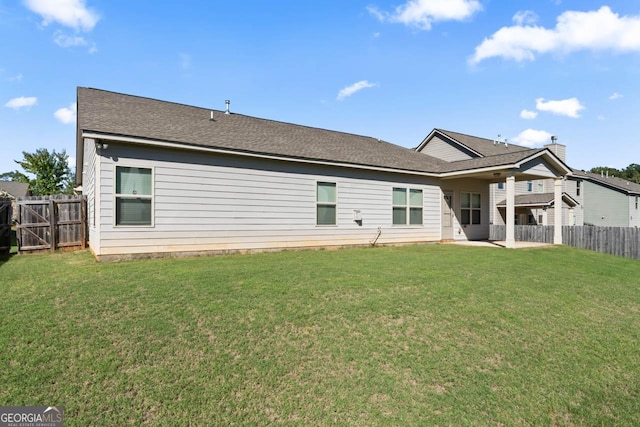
point(528, 115)
point(422, 13)
point(66, 116)
point(532, 137)
point(16, 78)
point(596, 30)
point(64, 40)
point(615, 95)
point(22, 102)
point(70, 13)
point(71, 161)
point(350, 90)
point(525, 17)
point(566, 107)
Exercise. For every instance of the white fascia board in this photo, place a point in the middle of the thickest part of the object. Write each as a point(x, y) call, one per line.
point(500, 168)
point(142, 141)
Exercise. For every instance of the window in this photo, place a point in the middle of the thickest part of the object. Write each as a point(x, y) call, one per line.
point(326, 203)
point(134, 196)
point(578, 187)
point(501, 186)
point(540, 186)
point(407, 206)
point(470, 208)
point(529, 186)
point(636, 202)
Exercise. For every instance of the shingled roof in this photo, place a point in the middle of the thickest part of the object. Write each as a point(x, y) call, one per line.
point(112, 114)
point(538, 199)
point(483, 146)
point(16, 189)
point(616, 183)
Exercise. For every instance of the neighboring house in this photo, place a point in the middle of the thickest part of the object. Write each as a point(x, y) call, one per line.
point(607, 200)
point(587, 198)
point(163, 178)
point(14, 190)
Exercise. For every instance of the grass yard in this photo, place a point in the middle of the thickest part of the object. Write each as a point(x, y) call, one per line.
point(416, 335)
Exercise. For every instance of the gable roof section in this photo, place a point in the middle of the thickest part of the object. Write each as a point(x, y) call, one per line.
point(114, 114)
point(538, 200)
point(615, 183)
point(16, 189)
point(481, 147)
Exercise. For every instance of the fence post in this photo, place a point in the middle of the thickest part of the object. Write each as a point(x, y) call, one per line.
point(52, 223)
point(83, 215)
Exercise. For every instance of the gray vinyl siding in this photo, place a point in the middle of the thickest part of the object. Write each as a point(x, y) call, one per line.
point(445, 150)
point(536, 167)
point(211, 202)
point(604, 206)
point(90, 160)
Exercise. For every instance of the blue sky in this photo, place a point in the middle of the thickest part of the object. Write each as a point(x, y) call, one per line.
point(394, 70)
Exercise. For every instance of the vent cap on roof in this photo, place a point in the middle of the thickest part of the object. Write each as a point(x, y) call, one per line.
point(227, 102)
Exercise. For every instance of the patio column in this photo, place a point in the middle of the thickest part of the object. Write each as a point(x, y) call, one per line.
point(557, 211)
point(511, 211)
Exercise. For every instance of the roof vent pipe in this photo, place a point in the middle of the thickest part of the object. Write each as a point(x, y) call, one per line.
point(506, 143)
point(227, 102)
point(554, 139)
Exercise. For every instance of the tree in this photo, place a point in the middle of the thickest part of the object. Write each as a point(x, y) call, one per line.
point(632, 173)
point(51, 171)
point(605, 170)
point(15, 176)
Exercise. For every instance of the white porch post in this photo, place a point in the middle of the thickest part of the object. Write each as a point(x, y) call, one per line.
point(511, 211)
point(557, 211)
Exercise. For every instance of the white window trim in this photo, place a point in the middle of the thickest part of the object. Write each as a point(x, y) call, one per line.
point(152, 196)
point(326, 204)
point(407, 207)
point(470, 208)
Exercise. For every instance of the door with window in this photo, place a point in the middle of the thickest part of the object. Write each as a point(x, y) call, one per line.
point(447, 215)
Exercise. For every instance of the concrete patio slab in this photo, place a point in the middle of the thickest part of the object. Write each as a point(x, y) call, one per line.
point(498, 244)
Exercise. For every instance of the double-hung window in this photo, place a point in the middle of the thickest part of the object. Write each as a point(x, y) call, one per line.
point(134, 196)
point(470, 208)
point(407, 206)
point(326, 203)
point(529, 186)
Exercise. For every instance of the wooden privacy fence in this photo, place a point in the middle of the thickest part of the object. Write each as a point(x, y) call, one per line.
point(5, 225)
point(621, 241)
point(51, 222)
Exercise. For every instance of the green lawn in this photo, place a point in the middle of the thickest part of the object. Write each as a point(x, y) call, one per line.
point(417, 335)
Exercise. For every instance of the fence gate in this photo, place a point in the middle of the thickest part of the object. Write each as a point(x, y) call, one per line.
point(5, 225)
point(51, 222)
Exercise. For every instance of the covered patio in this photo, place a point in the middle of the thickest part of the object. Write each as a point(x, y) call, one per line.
point(507, 169)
